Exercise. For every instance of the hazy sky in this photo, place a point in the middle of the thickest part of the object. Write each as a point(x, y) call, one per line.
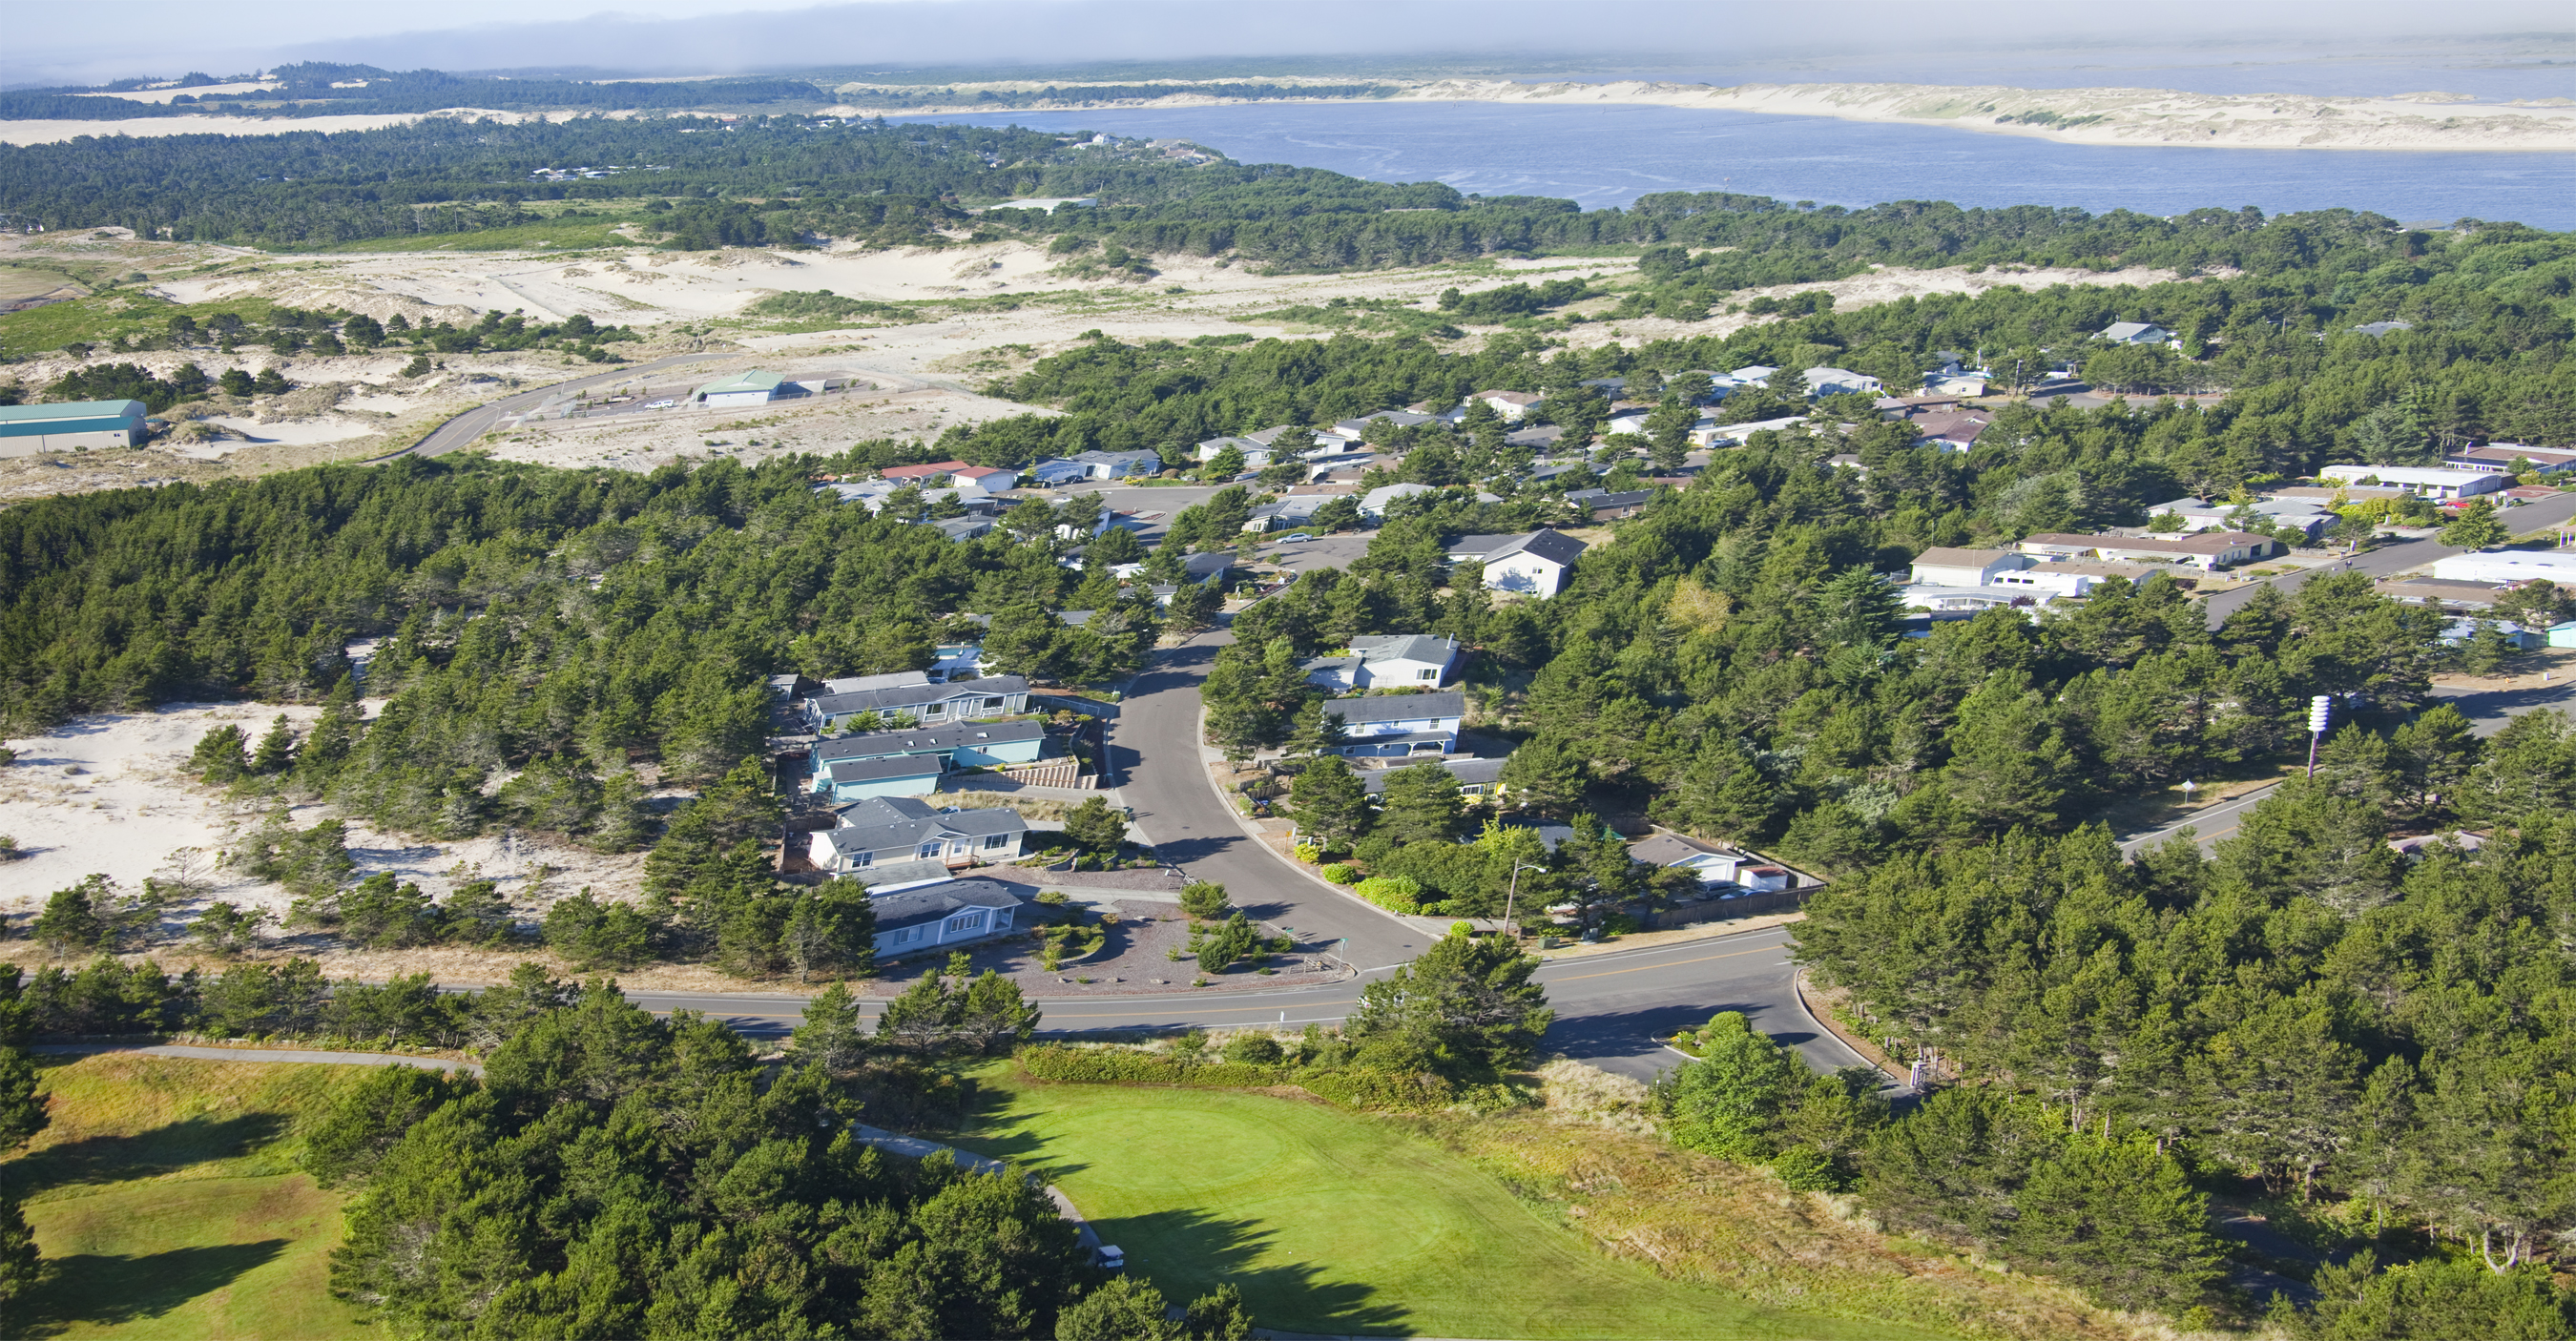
point(78, 43)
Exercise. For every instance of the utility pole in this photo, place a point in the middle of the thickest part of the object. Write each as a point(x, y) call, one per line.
point(1512, 899)
point(2320, 712)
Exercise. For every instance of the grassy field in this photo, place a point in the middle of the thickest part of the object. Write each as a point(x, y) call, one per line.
point(102, 317)
point(567, 234)
point(1337, 1223)
point(164, 1199)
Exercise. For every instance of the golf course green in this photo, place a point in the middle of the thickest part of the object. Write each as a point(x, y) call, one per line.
point(1336, 1223)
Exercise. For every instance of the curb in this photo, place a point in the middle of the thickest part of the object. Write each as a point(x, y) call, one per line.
point(1798, 988)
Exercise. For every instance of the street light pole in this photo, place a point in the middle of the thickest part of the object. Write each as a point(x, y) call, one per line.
point(1512, 899)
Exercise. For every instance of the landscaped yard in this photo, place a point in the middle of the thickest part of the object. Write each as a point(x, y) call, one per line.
point(1336, 1223)
point(165, 1205)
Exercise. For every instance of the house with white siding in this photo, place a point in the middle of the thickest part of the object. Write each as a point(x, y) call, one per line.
point(1387, 661)
point(945, 913)
point(1397, 725)
point(883, 830)
point(1534, 563)
point(913, 692)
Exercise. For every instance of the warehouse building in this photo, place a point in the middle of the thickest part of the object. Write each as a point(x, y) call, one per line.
point(751, 388)
point(71, 426)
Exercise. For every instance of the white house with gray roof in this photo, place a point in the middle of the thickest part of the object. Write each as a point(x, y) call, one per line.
point(948, 912)
point(883, 830)
point(1386, 661)
point(1397, 725)
point(1534, 563)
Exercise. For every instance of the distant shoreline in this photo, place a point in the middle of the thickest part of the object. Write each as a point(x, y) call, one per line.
point(2128, 117)
point(2122, 117)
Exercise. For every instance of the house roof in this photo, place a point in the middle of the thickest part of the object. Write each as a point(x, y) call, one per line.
point(2129, 330)
point(891, 823)
point(1945, 556)
point(754, 380)
point(884, 769)
point(894, 875)
point(1553, 546)
point(1397, 707)
point(1672, 849)
point(853, 684)
point(1520, 398)
point(1422, 647)
point(931, 902)
point(1468, 771)
point(879, 744)
point(906, 696)
point(1399, 418)
point(1597, 499)
point(1543, 435)
point(2379, 328)
point(1377, 499)
point(2207, 542)
point(919, 472)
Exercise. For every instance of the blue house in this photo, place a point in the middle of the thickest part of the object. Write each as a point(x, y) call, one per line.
point(1056, 474)
point(929, 752)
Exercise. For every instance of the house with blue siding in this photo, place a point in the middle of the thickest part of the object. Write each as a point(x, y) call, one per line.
point(1400, 724)
point(837, 765)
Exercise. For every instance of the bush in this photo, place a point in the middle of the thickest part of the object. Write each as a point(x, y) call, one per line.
point(1340, 873)
point(1064, 1064)
point(1053, 898)
point(1395, 893)
point(1254, 1049)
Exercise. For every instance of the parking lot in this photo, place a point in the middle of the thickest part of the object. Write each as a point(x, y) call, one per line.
point(1328, 551)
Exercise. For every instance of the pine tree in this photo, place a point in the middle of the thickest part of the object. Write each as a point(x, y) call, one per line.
point(276, 749)
point(1421, 804)
point(221, 755)
point(1329, 802)
point(831, 1036)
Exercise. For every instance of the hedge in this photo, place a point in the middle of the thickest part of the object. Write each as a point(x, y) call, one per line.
point(1126, 1066)
point(1394, 893)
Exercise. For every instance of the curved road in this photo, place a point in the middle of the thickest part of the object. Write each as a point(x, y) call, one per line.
point(476, 422)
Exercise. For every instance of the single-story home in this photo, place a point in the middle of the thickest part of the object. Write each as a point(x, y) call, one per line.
point(1373, 503)
point(1603, 505)
point(1945, 566)
point(2276, 512)
point(1327, 442)
point(1626, 423)
point(882, 829)
point(913, 692)
point(991, 479)
point(1400, 724)
point(1952, 431)
point(1285, 514)
point(2376, 329)
point(923, 472)
point(1839, 381)
point(1056, 474)
point(1385, 661)
point(2209, 550)
point(1748, 375)
point(1712, 863)
point(66, 426)
point(1476, 777)
point(2137, 333)
point(1117, 465)
point(1534, 563)
point(963, 528)
point(851, 767)
point(1255, 455)
point(1511, 405)
point(1931, 596)
point(2422, 481)
point(949, 912)
point(1537, 437)
point(1358, 426)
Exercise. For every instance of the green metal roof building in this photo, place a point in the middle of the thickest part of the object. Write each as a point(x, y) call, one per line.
point(751, 388)
point(71, 426)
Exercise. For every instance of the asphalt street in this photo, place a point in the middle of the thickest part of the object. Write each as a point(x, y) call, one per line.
point(474, 423)
point(1611, 1008)
point(2389, 560)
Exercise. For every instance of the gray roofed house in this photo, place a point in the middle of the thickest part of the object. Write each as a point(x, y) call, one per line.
point(1534, 563)
point(2136, 333)
point(1400, 724)
point(1383, 661)
point(951, 912)
point(1604, 505)
point(1357, 425)
point(859, 684)
point(901, 875)
point(942, 749)
point(1373, 503)
point(1540, 437)
point(933, 704)
point(2379, 328)
point(1476, 777)
point(885, 829)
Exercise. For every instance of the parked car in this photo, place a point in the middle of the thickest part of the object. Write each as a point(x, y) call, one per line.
point(1294, 539)
point(1112, 1257)
point(661, 404)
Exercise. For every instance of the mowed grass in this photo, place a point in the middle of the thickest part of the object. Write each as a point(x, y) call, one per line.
point(164, 1199)
point(1337, 1223)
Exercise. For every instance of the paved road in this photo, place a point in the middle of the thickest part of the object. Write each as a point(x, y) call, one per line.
point(2388, 560)
point(474, 423)
point(1610, 1007)
point(2487, 710)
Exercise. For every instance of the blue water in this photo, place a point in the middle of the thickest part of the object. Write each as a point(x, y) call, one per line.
point(1611, 155)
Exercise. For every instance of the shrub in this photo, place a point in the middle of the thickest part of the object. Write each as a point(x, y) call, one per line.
point(1254, 1049)
point(1395, 893)
point(1340, 873)
point(1309, 853)
point(1051, 898)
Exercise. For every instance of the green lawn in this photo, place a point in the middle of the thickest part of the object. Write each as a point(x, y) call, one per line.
point(1337, 1223)
point(165, 1204)
point(566, 234)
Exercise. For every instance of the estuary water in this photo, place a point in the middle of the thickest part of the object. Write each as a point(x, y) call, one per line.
point(1605, 156)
